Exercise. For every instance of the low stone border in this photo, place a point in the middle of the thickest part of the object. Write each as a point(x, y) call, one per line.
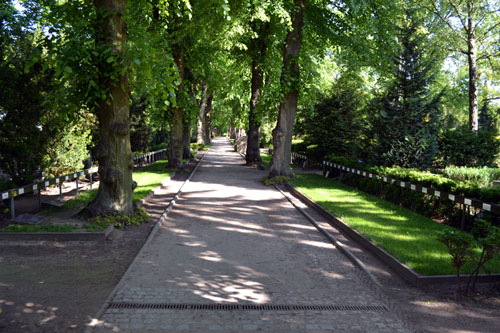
point(96, 236)
point(403, 270)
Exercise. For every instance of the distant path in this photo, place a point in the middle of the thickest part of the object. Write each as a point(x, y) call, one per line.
point(232, 240)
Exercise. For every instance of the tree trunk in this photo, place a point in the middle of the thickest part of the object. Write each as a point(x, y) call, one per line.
point(175, 149)
point(282, 133)
point(186, 139)
point(200, 118)
point(113, 151)
point(473, 76)
point(207, 133)
point(258, 50)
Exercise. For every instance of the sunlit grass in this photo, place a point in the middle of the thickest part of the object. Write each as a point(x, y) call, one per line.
point(408, 236)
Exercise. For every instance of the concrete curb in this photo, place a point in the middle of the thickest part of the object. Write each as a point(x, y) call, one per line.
point(96, 236)
point(334, 241)
point(403, 270)
point(161, 220)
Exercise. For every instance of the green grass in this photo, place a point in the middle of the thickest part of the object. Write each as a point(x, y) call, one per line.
point(266, 159)
point(38, 228)
point(406, 235)
point(149, 177)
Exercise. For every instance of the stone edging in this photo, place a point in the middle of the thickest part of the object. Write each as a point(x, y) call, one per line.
point(403, 270)
point(95, 320)
point(97, 236)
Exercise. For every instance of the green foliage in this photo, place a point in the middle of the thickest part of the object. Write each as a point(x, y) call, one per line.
point(140, 216)
point(404, 119)
point(66, 152)
point(481, 176)
point(461, 248)
point(464, 147)
point(278, 180)
point(299, 146)
point(459, 245)
point(335, 123)
point(140, 129)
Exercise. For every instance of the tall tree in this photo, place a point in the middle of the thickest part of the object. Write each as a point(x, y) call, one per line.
point(405, 119)
point(282, 133)
point(472, 25)
point(113, 151)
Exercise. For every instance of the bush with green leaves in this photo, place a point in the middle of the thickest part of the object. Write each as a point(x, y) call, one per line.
point(459, 246)
point(462, 248)
point(66, 152)
point(464, 147)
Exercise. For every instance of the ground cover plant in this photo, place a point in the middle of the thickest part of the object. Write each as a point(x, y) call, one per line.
point(410, 237)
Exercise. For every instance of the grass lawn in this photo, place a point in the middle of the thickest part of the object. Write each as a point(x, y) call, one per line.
point(147, 178)
point(266, 159)
point(408, 236)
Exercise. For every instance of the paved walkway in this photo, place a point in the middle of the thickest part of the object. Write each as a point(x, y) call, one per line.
point(232, 240)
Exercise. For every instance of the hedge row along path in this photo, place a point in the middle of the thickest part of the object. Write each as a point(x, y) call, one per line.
point(230, 241)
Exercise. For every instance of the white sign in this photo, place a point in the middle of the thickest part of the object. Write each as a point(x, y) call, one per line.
point(20, 191)
point(402, 184)
point(437, 193)
point(35, 187)
point(467, 201)
point(413, 187)
point(451, 197)
point(487, 207)
point(5, 195)
point(424, 189)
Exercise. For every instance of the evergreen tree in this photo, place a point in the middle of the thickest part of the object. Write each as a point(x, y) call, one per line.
point(405, 118)
point(486, 120)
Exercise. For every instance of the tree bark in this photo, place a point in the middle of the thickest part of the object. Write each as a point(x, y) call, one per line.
point(473, 75)
point(186, 138)
point(200, 118)
point(254, 118)
point(207, 120)
point(113, 151)
point(290, 75)
point(175, 149)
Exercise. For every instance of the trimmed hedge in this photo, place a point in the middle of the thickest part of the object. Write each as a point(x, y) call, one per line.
point(420, 202)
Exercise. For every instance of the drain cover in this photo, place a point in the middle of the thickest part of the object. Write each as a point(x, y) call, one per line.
point(247, 307)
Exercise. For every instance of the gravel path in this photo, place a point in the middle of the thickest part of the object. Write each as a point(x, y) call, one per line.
point(232, 240)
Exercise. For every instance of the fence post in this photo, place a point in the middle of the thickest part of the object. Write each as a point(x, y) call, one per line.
point(90, 180)
point(12, 208)
point(77, 185)
point(60, 190)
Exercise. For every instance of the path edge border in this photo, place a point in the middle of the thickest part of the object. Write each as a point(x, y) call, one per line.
point(400, 268)
point(161, 220)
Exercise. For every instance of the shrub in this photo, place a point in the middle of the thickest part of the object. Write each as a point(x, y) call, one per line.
point(464, 147)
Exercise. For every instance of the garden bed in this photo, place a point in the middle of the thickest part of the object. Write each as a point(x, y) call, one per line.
point(393, 232)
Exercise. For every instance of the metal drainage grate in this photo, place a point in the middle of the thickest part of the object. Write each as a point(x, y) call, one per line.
point(246, 307)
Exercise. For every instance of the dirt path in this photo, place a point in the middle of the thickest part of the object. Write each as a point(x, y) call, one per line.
point(57, 287)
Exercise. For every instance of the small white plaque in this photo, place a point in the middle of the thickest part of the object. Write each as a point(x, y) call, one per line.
point(75, 175)
point(364, 174)
point(437, 193)
point(424, 189)
point(385, 179)
point(5, 195)
point(82, 173)
point(487, 207)
point(451, 197)
point(35, 187)
point(467, 201)
point(20, 191)
point(47, 183)
point(66, 177)
point(413, 187)
point(370, 175)
point(402, 184)
point(57, 180)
